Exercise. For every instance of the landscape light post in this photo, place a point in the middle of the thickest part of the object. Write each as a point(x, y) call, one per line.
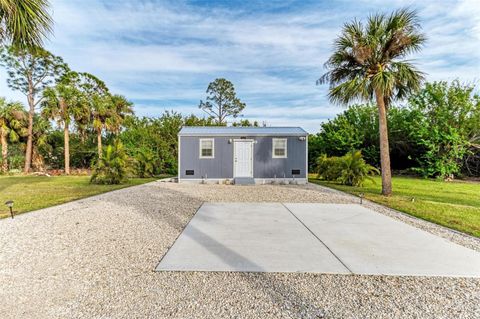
point(361, 195)
point(9, 204)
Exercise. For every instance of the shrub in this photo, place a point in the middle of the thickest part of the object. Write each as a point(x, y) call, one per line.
point(112, 167)
point(350, 169)
point(447, 128)
point(355, 170)
point(145, 163)
point(329, 168)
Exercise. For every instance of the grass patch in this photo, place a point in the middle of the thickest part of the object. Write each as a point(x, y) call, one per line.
point(35, 192)
point(452, 204)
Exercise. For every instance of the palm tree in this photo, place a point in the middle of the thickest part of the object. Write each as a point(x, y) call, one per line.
point(109, 113)
point(24, 22)
point(100, 118)
point(42, 128)
point(62, 103)
point(97, 98)
point(111, 168)
point(121, 108)
point(369, 62)
point(12, 126)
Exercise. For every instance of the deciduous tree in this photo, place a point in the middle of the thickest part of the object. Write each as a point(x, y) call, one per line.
point(448, 127)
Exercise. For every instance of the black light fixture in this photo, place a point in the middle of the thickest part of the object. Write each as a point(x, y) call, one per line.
point(9, 204)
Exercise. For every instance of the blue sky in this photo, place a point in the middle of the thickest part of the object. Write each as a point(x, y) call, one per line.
point(163, 54)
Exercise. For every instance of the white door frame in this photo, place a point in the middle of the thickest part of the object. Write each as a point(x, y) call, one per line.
point(252, 142)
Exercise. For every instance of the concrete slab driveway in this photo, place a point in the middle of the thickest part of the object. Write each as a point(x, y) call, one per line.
point(320, 238)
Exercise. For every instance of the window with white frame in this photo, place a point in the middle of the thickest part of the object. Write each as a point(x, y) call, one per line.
point(207, 148)
point(279, 148)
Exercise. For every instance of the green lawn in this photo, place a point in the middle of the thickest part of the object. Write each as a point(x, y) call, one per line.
point(451, 204)
point(35, 192)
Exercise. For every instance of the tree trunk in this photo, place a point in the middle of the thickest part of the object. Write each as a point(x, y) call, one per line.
point(99, 143)
point(28, 151)
point(66, 135)
point(384, 147)
point(4, 143)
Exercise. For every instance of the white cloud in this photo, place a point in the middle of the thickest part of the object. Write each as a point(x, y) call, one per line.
point(163, 54)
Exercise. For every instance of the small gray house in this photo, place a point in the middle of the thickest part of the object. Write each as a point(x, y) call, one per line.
point(242, 155)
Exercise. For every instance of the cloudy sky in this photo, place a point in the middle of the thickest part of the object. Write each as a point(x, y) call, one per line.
point(163, 54)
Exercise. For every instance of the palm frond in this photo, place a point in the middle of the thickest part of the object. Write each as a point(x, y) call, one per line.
point(25, 22)
point(367, 57)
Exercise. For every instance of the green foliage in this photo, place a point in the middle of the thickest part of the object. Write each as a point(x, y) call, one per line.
point(369, 62)
point(42, 128)
point(350, 169)
point(65, 101)
point(31, 70)
point(145, 162)
point(448, 127)
point(329, 168)
point(12, 127)
point(245, 123)
point(367, 59)
point(437, 133)
point(24, 22)
point(109, 112)
point(355, 170)
point(221, 101)
point(357, 128)
point(12, 120)
point(158, 137)
point(112, 166)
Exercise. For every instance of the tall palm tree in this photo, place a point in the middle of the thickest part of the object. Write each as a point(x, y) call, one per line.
point(64, 103)
point(97, 98)
point(100, 118)
point(121, 108)
point(368, 63)
point(12, 126)
point(24, 22)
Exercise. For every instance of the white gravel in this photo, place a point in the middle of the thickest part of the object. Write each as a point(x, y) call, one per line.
point(95, 258)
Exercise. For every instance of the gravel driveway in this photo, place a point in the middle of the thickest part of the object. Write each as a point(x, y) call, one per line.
point(95, 258)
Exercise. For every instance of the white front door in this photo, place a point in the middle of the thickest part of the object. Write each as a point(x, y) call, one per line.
point(243, 159)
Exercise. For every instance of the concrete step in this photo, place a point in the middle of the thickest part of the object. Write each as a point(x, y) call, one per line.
point(244, 180)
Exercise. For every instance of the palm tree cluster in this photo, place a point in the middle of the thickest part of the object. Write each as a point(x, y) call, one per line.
point(78, 101)
point(82, 101)
point(368, 63)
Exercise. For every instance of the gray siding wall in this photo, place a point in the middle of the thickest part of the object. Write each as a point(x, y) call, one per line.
point(264, 166)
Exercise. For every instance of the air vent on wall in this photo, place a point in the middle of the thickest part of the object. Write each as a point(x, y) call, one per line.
point(189, 172)
point(295, 172)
